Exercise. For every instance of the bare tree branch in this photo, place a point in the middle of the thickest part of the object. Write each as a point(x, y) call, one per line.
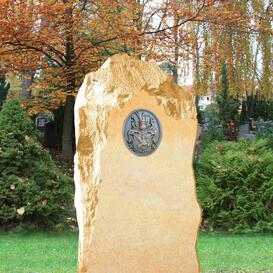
point(179, 24)
point(22, 46)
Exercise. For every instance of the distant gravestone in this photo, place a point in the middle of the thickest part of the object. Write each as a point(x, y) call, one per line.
point(40, 122)
point(51, 138)
point(135, 192)
point(244, 130)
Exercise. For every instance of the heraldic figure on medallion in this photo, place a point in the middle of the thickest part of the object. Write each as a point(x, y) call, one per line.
point(142, 132)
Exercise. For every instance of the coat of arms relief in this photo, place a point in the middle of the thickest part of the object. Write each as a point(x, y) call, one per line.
point(142, 132)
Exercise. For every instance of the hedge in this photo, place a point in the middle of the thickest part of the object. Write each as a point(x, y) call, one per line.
point(235, 185)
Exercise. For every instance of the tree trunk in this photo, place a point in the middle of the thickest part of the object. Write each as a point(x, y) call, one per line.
point(27, 81)
point(68, 130)
point(70, 74)
point(196, 62)
point(175, 74)
point(139, 25)
point(176, 48)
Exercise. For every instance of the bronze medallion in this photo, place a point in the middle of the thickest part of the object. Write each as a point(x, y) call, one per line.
point(142, 132)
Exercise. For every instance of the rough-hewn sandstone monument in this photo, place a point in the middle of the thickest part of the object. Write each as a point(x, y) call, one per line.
point(135, 191)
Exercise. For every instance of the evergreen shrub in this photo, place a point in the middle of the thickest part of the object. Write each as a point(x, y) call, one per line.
point(212, 127)
point(33, 191)
point(264, 129)
point(235, 186)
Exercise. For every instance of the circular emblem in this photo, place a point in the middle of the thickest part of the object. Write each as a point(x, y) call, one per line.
point(142, 132)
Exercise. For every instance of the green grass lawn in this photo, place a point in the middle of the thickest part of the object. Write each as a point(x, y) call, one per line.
point(38, 253)
point(57, 253)
point(235, 253)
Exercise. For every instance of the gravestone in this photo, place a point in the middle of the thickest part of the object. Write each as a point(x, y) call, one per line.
point(51, 137)
point(135, 194)
point(244, 130)
point(40, 122)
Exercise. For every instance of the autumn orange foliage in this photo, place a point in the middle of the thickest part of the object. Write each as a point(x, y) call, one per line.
point(63, 40)
point(56, 42)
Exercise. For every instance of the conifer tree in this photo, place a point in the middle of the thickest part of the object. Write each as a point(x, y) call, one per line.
point(33, 191)
point(228, 107)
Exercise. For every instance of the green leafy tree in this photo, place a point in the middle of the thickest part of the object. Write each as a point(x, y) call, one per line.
point(228, 108)
point(33, 191)
point(4, 88)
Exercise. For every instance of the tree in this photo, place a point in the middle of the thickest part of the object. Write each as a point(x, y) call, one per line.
point(228, 107)
point(170, 38)
point(266, 85)
point(236, 32)
point(33, 191)
point(256, 108)
point(61, 41)
point(4, 88)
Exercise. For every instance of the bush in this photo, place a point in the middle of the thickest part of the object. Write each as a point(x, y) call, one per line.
point(256, 107)
point(210, 116)
point(33, 192)
point(212, 128)
point(235, 186)
point(264, 129)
